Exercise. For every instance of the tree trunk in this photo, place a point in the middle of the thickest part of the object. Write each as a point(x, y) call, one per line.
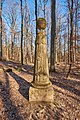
point(71, 33)
point(76, 4)
point(36, 32)
point(53, 36)
point(36, 14)
point(1, 30)
point(12, 44)
point(44, 9)
point(68, 41)
point(21, 34)
point(65, 46)
point(71, 37)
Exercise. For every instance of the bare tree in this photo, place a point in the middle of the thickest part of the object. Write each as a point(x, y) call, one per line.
point(44, 10)
point(53, 35)
point(64, 36)
point(10, 15)
point(76, 2)
point(21, 34)
point(1, 3)
point(68, 22)
point(70, 6)
point(36, 16)
point(25, 30)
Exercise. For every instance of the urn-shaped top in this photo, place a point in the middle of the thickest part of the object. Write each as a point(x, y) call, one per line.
point(41, 23)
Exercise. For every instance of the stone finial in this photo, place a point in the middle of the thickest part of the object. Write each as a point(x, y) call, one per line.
point(41, 23)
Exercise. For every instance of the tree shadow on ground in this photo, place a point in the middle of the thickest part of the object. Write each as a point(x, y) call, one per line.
point(17, 66)
point(28, 69)
point(67, 84)
point(57, 116)
point(75, 74)
point(23, 85)
point(70, 96)
point(11, 111)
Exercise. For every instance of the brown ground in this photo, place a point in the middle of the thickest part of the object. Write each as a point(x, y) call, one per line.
point(14, 86)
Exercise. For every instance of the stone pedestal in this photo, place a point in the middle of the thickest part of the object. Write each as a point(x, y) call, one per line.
point(41, 89)
point(41, 94)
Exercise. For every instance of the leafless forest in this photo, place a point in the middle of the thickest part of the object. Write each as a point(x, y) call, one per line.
point(18, 31)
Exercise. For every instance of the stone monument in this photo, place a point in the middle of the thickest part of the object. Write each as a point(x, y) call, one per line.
point(41, 89)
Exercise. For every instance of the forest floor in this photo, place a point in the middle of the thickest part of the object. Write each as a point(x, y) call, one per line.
point(14, 88)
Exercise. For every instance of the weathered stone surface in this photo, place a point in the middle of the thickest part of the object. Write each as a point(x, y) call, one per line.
point(41, 23)
point(45, 95)
point(41, 89)
point(41, 73)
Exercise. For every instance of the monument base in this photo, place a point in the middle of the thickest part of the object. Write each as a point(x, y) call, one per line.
point(43, 94)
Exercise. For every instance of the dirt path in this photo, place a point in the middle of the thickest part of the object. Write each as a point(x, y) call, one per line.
point(14, 104)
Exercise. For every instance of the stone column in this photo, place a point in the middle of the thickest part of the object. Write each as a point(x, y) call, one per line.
point(41, 89)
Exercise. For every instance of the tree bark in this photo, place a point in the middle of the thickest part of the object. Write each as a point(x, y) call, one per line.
point(71, 37)
point(76, 12)
point(71, 33)
point(53, 36)
point(36, 32)
point(68, 39)
point(21, 34)
point(1, 30)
